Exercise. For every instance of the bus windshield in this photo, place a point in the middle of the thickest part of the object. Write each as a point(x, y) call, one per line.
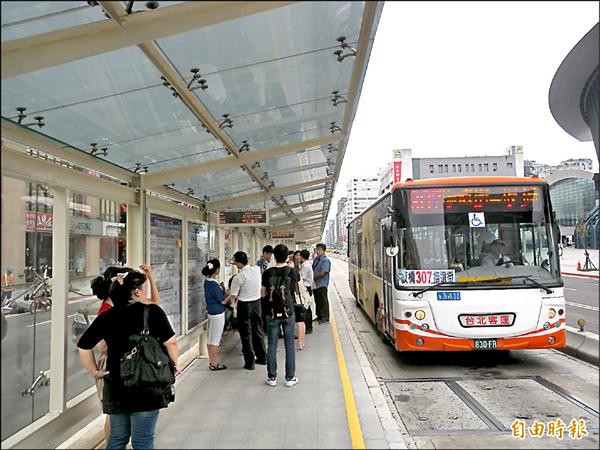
point(475, 234)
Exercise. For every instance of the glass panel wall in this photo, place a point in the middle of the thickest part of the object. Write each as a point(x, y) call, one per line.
point(25, 348)
point(198, 251)
point(165, 258)
point(97, 240)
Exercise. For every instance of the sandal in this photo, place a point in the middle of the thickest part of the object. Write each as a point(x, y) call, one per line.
point(217, 367)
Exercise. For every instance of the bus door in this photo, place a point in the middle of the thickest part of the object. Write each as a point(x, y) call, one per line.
point(388, 291)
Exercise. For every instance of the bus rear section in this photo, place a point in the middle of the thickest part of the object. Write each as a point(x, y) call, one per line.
point(474, 266)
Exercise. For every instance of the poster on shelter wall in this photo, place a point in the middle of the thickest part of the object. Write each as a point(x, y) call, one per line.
point(165, 258)
point(198, 255)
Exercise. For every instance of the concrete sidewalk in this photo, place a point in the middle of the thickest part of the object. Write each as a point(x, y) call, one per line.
point(571, 256)
point(234, 408)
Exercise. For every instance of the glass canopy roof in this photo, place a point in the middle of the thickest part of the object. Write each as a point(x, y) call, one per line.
point(245, 91)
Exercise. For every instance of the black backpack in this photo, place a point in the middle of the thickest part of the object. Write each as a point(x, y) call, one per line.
point(280, 293)
point(147, 365)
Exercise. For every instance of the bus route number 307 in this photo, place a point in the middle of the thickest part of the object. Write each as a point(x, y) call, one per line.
point(485, 344)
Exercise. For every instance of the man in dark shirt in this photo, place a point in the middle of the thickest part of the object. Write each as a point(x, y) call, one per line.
point(280, 252)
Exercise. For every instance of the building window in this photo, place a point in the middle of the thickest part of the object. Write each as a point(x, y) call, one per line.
point(446, 168)
point(509, 165)
point(453, 167)
point(466, 167)
point(430, 168)
point(495, 167)
point(486, 167)
point(460, 167)
point(441, 168)
point(472, 167)
point(480, 167)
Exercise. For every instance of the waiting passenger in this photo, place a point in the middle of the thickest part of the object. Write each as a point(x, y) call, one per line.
point(131, 414)
point(281, 272)
point(246, 290)
point(214, 295)
point(100, 286)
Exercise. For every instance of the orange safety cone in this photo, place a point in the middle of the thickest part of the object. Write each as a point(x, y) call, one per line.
point(578, 265)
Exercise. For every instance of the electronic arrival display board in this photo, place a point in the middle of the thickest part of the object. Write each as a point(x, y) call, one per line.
point(469, 199)
point(282, 235)
point(243, 217)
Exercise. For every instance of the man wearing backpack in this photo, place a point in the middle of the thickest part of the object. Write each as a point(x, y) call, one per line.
point(321, 268)
point(279, 284)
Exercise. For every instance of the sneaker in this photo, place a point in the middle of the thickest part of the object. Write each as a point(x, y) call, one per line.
point(289, 382)
point(271, 381)
point(249, 366)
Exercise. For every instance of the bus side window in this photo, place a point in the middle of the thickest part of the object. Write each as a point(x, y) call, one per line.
point(410, 254)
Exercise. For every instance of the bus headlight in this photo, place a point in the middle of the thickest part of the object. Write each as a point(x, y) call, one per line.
point(547, 326)
point(551, 313)
point(424, 327)
point(419, 314)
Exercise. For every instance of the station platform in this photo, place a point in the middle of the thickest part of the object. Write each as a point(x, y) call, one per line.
point(338, 402)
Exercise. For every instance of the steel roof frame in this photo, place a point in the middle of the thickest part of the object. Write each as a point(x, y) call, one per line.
point(46, 50)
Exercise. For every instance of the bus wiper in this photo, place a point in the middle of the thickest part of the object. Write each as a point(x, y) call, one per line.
point(452, 283)
point(475, 282)
point(528, 278)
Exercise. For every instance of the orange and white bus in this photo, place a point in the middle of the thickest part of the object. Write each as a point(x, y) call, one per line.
point(458, 264)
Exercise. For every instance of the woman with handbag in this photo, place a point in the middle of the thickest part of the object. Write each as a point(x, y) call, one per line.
point(132, 413)
point(301, 303)
point(214, 295)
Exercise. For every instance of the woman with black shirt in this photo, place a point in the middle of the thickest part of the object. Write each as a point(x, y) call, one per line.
point(132, 414)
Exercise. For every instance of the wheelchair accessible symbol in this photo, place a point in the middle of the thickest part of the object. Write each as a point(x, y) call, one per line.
point(477, 220)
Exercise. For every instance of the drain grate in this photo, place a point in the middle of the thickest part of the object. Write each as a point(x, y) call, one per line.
point(456, 406)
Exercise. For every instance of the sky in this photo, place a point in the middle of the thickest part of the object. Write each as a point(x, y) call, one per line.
point(465, 79)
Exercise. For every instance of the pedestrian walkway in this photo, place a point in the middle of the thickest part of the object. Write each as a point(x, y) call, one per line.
point(571, 257)
point(338, 402)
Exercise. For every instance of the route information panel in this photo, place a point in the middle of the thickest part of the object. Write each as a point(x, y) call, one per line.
point(243, 217)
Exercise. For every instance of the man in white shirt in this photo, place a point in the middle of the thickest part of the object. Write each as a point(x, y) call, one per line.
point(246, 288)
point(307, 275)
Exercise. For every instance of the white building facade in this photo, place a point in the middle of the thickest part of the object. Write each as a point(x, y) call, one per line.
point(361, 193)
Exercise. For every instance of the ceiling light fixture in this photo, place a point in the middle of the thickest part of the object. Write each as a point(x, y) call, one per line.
point(139, 169)
point(334, 128)
point(226, 123)
point(167, 84)
point(344, 46)
point(245, 147)
point(337, 98)
point(201, 81)
point(95, 151)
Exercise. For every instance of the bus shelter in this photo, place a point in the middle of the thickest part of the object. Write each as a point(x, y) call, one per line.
point(161, 132)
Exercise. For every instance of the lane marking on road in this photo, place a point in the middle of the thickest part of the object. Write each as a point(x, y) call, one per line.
point(42, 323)
point(356, 434)
point(582, 306)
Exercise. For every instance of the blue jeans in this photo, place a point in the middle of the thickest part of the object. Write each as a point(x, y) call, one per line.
point(139, 425)
point(273, 327)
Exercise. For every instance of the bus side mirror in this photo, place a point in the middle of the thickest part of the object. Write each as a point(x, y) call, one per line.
point(389, 229)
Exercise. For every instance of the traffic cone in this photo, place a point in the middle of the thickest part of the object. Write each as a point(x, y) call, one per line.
point(578, 265)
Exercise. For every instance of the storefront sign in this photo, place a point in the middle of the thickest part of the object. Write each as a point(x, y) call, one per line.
point(397, 171)
point(44, 221)
point(83, 225)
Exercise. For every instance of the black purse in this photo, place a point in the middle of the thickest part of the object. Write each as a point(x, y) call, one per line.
point(147, 364)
